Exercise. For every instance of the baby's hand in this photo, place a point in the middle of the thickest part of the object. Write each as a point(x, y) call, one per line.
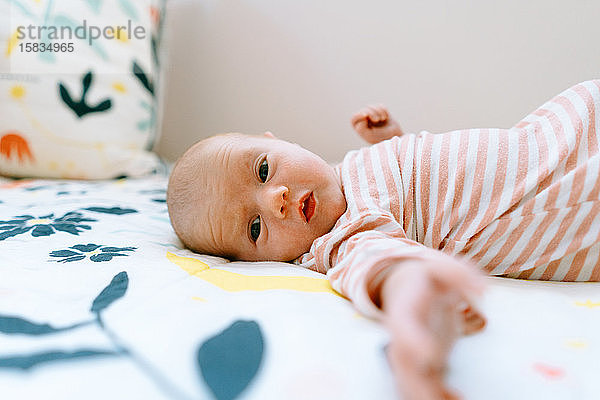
point(374, 124)
point(427, 307)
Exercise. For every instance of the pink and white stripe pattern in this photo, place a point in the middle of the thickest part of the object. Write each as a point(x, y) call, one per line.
point(521, 202)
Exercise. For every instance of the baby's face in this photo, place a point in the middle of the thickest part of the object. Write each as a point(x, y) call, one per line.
point(266, 199)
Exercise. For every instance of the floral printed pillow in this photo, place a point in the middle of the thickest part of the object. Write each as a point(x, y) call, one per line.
point(79, 87)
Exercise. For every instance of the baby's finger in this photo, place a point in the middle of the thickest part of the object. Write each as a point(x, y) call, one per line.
point(358, 117)
point(417, 384)
point(410, 382)
point(460, 302)
point(384, 112)
point(473, 320)
point(448, 394)
point(362, 128)
point(462, 276)
point(376, 114)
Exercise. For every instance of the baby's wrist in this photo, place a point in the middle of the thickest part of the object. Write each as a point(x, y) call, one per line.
point(383, 284)
point(390, 285)
point(396, 279)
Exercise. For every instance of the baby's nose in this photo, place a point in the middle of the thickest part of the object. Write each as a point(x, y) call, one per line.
point(278, 201)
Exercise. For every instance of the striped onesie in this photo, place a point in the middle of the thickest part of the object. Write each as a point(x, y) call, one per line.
point(521, 202)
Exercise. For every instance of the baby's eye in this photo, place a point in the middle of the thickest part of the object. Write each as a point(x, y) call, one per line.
point(255, 229)
point(263, 171)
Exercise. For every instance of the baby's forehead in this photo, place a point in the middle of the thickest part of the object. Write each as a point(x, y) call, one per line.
point(230, 151)
point(222, 173)
point(235, 140)
point(223, 162)
point(219, 152)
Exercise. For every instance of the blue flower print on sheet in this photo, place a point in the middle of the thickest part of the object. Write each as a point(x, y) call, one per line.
point(47, 225)
point(111, 210)
point(96, 252)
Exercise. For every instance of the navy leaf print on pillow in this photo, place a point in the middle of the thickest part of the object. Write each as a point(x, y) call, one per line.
point(80, 106)
point(46, 225)
point(96, 252)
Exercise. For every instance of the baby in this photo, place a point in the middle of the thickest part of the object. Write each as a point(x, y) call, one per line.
point(398, 226)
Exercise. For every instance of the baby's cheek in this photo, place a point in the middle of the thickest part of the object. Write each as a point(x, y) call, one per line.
point(297, 242)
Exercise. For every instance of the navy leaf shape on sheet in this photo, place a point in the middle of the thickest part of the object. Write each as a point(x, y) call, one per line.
point(112, 210)
point(114, 291)
point(34, 188)
point(85, 247)
point(72, 192)
point(45, 225)
point(152, 191)
point(27, 362)
point(96, 252)
point(42, 230)
point(230, 360)
point(16, 325)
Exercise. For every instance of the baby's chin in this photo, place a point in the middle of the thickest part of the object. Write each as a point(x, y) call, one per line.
point(299, 250)
point(293, 253)
point(287, 250)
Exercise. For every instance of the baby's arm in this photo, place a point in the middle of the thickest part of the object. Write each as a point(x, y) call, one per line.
point(427, 306)
point(422, 295)
point(374, 124)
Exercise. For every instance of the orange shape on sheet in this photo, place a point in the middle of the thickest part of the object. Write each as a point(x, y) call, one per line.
point(13, 142)
point(549, 371)
point(16, 184)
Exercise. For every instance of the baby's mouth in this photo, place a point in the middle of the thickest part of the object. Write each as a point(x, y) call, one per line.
point(308, 207)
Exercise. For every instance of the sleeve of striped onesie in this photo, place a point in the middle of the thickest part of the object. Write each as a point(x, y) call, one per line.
point(361, 261)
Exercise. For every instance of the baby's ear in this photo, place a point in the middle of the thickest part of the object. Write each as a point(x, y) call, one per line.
point(269, 135)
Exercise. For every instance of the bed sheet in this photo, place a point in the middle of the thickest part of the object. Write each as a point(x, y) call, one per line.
point(98, 299)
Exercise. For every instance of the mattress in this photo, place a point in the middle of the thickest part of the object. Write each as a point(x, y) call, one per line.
point(98, 299)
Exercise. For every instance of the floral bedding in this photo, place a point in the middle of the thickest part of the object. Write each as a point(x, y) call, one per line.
point(99, 300)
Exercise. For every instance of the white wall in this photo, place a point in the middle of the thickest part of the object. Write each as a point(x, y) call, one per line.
point(300, 68)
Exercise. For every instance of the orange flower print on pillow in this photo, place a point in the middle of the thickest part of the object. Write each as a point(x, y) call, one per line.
point(11, 143)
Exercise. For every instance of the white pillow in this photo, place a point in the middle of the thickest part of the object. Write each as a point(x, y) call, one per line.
point(78, 88)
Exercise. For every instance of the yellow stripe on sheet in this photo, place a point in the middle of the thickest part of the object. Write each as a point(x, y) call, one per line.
point(234, 282)
point(588, 303)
